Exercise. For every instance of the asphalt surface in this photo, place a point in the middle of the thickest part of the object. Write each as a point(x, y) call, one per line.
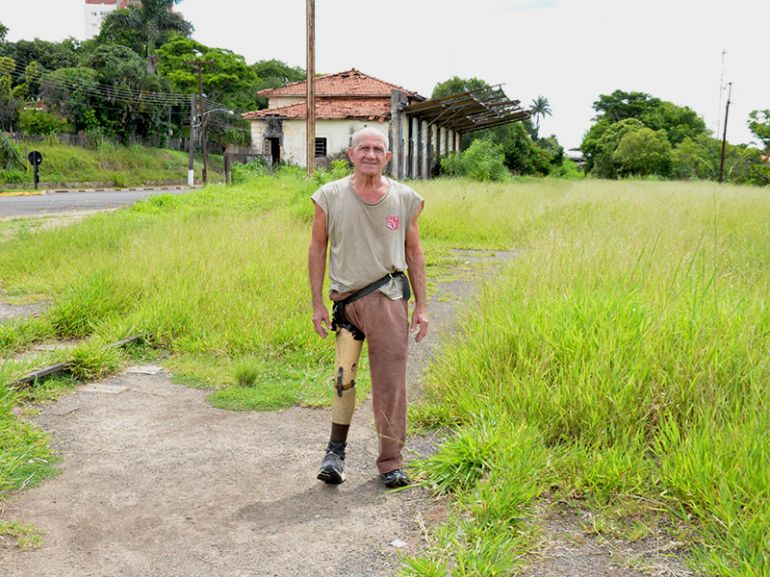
point(62, 202)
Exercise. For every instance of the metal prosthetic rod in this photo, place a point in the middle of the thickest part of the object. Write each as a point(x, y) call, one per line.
point(346, 361)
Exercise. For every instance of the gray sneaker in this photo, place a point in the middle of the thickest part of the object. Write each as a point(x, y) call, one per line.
point(333, 463)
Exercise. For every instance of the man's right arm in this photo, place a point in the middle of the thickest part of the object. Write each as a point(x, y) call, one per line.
point(316, 260)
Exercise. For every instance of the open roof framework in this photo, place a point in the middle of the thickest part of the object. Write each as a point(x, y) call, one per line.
point(469, 111)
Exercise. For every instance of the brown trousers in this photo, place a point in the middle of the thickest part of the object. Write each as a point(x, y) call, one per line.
point(385, 324)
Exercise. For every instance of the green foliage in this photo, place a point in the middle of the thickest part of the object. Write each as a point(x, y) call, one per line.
point(9, 104)
point(540, 108)
point(483, 160)
point(274, 74)
point(617, 112)
point(643, 152)
point(41, 122)
point(226, 76)
point(27, 536)
point(759, 124)
point(49, 55)
point(107, 162)
point(607, 144)
point(144, 28)
point(92, 360)
point(242, 173)
point(70, 92)
point(457, 84)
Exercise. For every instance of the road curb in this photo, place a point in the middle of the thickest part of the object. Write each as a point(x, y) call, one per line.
point(126, 189)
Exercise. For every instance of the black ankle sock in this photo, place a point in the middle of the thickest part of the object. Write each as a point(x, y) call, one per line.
point(339, 433)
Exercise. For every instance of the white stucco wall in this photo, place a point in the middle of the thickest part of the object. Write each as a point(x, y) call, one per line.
point(336, 132)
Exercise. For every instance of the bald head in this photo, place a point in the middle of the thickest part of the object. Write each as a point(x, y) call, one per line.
point(368, 130)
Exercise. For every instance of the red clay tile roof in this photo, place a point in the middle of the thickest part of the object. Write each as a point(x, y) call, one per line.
point(349, 83)
point(326, 109)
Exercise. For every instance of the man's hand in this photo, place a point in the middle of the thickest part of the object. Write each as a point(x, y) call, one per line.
point(321, 320)
point(419, 322)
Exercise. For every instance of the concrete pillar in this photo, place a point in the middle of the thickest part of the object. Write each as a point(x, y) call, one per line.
point(429, 152)
point(413, 147)
point(421, 156)
point(396, 133)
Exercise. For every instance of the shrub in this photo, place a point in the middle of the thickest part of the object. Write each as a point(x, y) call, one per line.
point(248, 171)
point(483, 160)
point(42, 123)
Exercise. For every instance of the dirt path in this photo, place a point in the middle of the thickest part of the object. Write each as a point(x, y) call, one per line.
point(157, 483)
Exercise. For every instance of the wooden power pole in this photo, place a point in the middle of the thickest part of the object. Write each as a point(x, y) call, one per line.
point(310, 86)
point(724, 135)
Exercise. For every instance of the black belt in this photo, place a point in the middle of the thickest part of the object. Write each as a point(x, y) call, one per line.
point(339, 320)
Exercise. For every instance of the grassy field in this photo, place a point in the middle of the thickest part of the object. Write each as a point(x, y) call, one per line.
point(621, 359)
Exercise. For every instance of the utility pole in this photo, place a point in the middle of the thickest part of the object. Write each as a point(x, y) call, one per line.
point(310, 125)
point(724, 134)
point(199, 64)
point(191, 161)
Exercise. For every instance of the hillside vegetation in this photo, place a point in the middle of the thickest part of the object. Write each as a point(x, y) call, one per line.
point(109, 165)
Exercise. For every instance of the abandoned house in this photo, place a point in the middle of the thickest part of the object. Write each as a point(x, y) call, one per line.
point(420, 130)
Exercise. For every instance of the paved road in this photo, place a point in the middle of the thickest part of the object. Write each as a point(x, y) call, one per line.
point(59, 202)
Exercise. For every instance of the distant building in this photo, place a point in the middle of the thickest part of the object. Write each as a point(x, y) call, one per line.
point(420, 131)
point(96, 11)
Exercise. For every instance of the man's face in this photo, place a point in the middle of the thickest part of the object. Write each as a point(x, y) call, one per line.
point(369, 156)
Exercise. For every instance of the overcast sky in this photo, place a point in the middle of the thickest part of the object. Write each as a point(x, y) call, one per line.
point(569, 51)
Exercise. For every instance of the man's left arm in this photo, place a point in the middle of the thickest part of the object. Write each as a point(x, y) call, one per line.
point(415, 262)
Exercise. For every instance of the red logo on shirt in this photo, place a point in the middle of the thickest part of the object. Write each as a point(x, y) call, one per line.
point(391, 222)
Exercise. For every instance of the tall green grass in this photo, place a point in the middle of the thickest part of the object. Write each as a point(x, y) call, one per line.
point(631, 337)
point(623, 352)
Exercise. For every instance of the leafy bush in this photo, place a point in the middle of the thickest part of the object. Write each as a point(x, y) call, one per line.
point(483, 160)
point(13, 176)
point(255, 168)
point(40, 122)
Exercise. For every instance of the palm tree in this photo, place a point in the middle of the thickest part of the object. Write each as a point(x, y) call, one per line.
point(540, 107)
point(147, 24)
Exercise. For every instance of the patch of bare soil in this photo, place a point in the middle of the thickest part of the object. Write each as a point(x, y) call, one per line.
point(9, 311)
point(567, 549)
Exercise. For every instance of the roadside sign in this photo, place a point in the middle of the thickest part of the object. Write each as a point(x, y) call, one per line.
point(35, 158)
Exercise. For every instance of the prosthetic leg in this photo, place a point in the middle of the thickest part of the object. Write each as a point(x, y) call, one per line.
point(348, 352)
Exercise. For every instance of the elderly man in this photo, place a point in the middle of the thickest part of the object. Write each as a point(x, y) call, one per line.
point(369, 223)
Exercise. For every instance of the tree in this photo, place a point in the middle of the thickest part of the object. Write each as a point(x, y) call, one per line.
point(123, 107)
point(457, 84)
point(3, 32)
point(677, 123)
point(9, 105)
point(759, 124)
point(145, 28)
point(70, 92)
point(540, 108)
point(50, 55)
point(643, 152)
point(621, 105)
point(604, 164)
point(274, 74)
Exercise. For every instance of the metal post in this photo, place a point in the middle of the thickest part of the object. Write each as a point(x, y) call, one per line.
point(310, 125)
point(202, 124)
point(191, 160)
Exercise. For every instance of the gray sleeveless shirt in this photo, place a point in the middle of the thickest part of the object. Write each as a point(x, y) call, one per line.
point(366, 240)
